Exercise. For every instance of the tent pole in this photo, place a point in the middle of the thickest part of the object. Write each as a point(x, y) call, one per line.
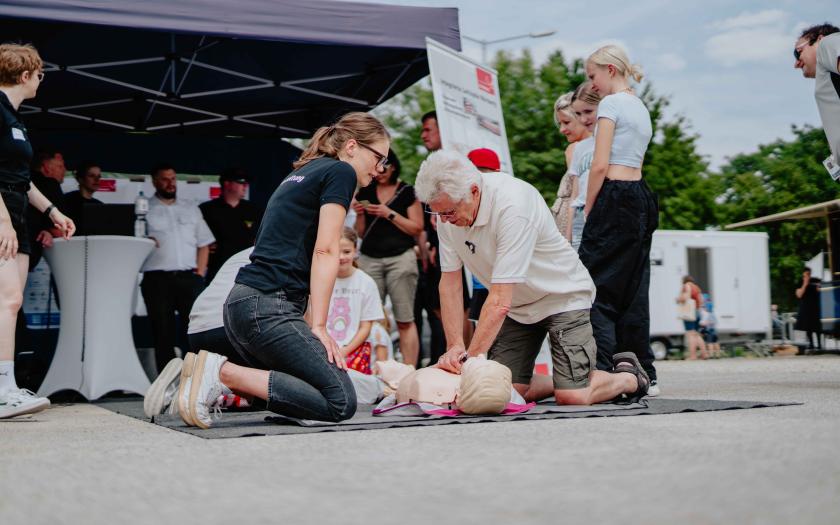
point(172, 61)
point(832, 230)
point(394, 83)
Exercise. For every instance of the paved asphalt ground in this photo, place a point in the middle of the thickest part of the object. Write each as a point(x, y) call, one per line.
point(81, 464)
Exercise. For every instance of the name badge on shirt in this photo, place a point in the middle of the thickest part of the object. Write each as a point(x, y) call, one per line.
point(832, 167)
point(17, 134)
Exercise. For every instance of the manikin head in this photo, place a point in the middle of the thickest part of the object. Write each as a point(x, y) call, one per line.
point(485, 386)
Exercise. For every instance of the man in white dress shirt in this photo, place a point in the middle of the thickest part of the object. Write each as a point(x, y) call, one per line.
point(173, 275)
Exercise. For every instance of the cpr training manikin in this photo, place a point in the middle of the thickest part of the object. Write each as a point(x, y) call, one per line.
point(483, 387)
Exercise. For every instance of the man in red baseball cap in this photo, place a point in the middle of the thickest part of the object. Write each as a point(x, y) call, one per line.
point(485, 160)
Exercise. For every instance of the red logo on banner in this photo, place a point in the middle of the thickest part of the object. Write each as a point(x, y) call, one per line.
point(215, 191)
point(107, 185)
point(485, 80)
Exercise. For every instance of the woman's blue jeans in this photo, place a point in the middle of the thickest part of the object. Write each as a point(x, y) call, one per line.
point(268, 331)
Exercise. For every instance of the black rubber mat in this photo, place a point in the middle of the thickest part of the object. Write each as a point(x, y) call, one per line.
point(260, 423)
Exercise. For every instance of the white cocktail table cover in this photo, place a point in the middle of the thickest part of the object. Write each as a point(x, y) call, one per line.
point(96, 278)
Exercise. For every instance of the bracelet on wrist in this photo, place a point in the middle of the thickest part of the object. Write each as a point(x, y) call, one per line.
point(49, 210)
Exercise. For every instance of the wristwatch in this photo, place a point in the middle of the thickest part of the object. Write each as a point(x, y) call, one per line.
point(392, 216)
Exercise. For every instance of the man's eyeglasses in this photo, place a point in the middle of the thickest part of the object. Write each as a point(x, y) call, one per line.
point(382, 160)
point(443, 214)
point(797, 51)
point(40, 76)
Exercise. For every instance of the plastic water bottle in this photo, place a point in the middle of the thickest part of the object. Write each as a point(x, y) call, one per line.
point(141, 208)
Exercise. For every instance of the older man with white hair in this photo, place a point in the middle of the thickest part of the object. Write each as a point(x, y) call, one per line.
point(503, 231)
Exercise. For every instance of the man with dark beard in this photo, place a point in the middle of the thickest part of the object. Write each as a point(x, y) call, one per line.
point(173, 275)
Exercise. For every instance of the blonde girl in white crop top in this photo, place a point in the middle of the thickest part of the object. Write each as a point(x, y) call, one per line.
point(624, 128)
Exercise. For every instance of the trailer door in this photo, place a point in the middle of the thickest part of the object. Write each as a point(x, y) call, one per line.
point(725, 287)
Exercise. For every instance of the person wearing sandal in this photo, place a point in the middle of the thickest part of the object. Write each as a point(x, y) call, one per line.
point(502, 230)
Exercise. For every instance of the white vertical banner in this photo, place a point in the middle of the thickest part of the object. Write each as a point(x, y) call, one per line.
point(469, 110)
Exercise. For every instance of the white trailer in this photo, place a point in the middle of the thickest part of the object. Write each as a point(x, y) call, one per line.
point(732, 267)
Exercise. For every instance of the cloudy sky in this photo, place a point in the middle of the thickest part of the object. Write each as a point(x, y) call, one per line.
point(726, 64)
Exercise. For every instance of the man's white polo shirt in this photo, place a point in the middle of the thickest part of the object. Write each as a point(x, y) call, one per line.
point(514, 240)
point(179, 229)
point(827, 90)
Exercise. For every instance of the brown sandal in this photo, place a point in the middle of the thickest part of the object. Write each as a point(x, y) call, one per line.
point(630, 364)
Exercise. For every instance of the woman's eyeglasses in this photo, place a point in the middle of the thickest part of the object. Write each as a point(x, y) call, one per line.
point(382, 160)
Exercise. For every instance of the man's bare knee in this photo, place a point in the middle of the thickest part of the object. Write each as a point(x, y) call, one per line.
point(521, 388)
point(573, 397)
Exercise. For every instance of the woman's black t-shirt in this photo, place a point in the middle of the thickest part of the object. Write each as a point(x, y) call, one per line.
point(382, 238)
point(15, 148)
point(282, 256)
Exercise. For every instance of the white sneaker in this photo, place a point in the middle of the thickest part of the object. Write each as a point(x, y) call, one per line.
point(181, 403)
point(21, 401)
point(160, 394)
point(205, 388)
point(653, 390)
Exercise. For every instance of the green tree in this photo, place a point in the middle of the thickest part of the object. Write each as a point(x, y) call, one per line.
point(676, 172)
point(673, 168)
point(781, 176)
point(402, 116)
point(528, 93)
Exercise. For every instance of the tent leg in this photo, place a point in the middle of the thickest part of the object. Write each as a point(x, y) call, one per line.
point(833, 240)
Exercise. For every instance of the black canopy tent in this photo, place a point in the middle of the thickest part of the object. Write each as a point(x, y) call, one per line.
point(220, 80)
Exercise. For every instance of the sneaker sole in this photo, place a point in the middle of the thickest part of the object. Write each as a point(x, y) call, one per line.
point(27, 409)
point(186, 373)
point(153, 402)
point(195, 386)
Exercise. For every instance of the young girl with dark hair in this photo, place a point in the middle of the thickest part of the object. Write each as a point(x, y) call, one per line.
point(354, 306)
